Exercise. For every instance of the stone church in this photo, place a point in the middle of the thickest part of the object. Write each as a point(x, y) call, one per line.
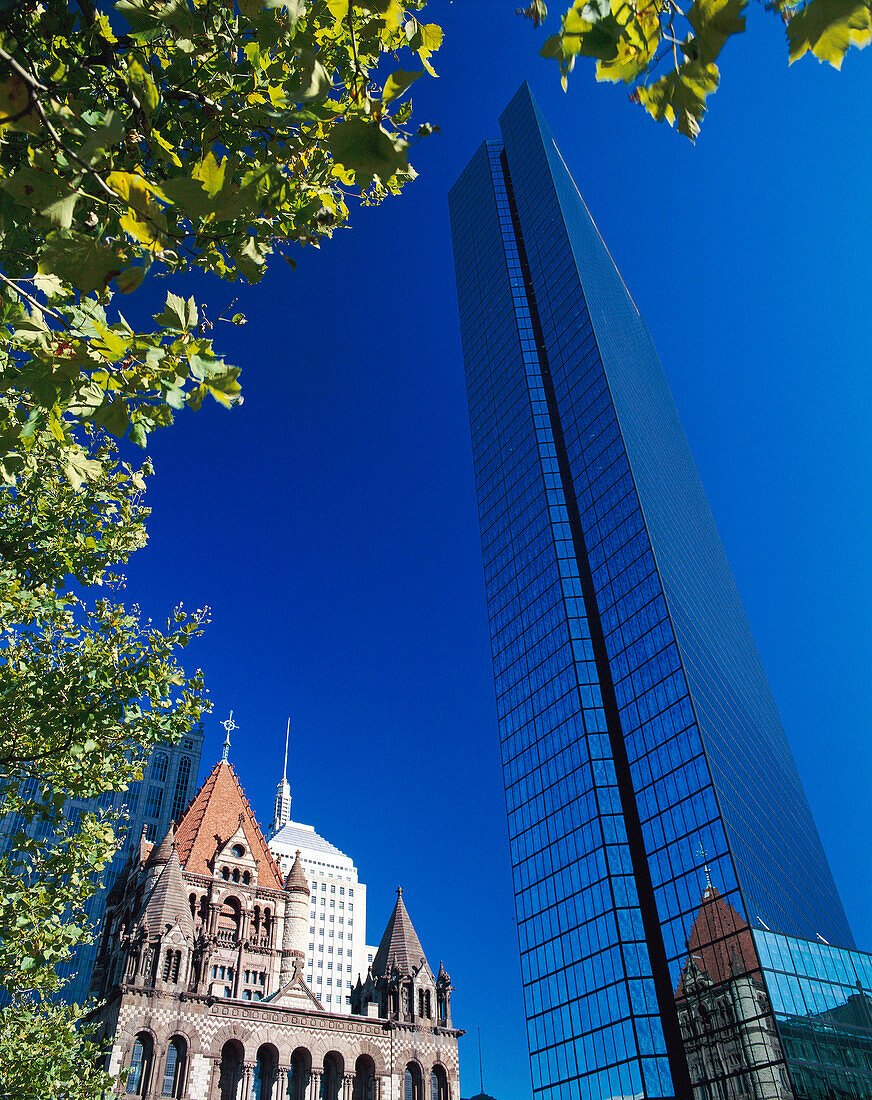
point(200, 970)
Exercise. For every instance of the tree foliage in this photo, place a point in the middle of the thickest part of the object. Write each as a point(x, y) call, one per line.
point(87, 689)
point(633, 41)
point(175, 135)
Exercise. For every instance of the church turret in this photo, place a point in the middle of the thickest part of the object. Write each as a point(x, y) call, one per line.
point(400, 981)
point(296, 921)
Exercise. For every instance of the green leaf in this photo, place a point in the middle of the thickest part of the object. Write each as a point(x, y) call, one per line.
point(312, 81)
point(79, 260)
point(113, 417)
point(681, 96)
point(178, 314)
point(210, 174)
point(110, 133)
point(828, 28)
point(714, 21)
point(79, 468)
point(397, 83)
point(43, 191)
point(143, 85)
point(295, 9)
point(189, 195)
point(130, 279)
point(50, 285)
point(366, 149)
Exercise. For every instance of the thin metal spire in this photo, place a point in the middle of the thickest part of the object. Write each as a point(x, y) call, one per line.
point(480, 1064)
point(708, 878)
point(285, 767)
point(228, 725)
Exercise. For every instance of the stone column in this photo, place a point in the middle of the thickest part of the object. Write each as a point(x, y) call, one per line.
point(348, 1086)
point(247, 1078)
point(315, 1085)
point(282, 1083)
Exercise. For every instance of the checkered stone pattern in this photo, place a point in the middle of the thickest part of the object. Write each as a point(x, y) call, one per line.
point(207, 1025)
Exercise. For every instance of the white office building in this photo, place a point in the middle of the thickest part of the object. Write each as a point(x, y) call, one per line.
point(337, 917)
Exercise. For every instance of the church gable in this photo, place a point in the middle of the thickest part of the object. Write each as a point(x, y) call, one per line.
point(295, 994)
point(219, 812)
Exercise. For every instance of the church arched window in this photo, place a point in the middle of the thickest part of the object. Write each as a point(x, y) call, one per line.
point(438, 1083)
point(175, 1067)
point(413, 1082)
point(140, 1065)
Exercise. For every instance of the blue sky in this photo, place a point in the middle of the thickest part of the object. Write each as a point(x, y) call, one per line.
point(330, 522)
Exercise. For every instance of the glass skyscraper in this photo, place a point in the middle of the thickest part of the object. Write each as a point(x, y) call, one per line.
point(656, 819)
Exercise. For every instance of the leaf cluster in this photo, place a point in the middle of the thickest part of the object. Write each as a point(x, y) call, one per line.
point(175, 135)
point(633, 40)
point(48, 1051)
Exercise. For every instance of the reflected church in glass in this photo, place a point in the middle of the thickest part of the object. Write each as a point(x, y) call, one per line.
point(676, 911)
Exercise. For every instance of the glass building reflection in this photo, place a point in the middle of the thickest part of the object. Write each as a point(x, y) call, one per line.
point(656, 818)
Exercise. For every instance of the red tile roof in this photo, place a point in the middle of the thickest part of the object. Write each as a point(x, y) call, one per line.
point(720, 935)
point(210, 821)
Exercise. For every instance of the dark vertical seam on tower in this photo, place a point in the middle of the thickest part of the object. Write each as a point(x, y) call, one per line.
point(641, 871)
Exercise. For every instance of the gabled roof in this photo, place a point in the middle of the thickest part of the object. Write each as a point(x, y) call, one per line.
point(218, 809)
point(399, 945)
point(720, 943)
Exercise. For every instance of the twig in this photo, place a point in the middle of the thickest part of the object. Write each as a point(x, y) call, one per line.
point(27, 77)
point(37, 305)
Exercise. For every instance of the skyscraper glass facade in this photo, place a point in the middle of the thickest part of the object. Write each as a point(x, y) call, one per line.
point(644, 761)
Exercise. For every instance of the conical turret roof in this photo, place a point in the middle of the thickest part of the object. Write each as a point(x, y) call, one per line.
point(399, 945)
point(217, 812)
point(296, 879)
point(165, 902)
point(164, 850)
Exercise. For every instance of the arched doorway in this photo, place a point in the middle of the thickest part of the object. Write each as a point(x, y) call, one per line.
point(232, 1055)
point(364, 1078)
point(265, 1073)
point(331, 1079)
point(299, 1074)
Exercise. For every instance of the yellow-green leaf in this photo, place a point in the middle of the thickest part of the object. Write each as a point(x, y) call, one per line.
point(144, 220)
point(828, 28)
point(397, 83)
point(680, 96)
point(635, 47)
point(714, 21)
